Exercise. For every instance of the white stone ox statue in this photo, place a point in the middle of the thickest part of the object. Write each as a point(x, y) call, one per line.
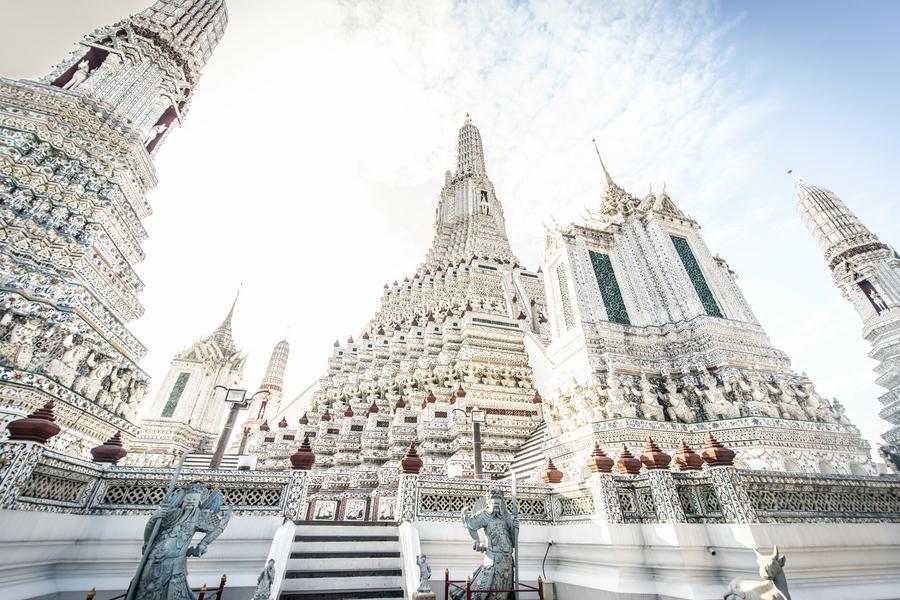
point(772, 587)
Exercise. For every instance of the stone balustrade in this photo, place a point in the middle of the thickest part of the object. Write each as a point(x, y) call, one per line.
point(33, 477)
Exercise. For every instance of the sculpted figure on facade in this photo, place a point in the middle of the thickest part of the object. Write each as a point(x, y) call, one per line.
point(678, 409)
point(154, 132)
point(64, 368)
point(500, 531)
point(98, 369)
point(756, 396)
point(650, 407)
point(788, 404)
point(18, 347)
point(715, 403)
point(79, 76)
point(191, 510)
point(619, 405)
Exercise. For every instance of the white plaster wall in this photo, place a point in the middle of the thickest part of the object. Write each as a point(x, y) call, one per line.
point(824, 561)
point(50, 554)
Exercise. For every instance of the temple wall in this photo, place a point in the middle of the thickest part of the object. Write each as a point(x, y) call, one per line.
point(587, 562)
point(60, 556)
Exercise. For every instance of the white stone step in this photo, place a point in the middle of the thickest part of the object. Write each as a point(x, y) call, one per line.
point(371, 582)
point(343, 546)
point(346, 531)
point(322, 563)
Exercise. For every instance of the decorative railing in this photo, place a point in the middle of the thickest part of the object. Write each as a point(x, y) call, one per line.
point(793, 497)
point(35, 478)
point(60, 483)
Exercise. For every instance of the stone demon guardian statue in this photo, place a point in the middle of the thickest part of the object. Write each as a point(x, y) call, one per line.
point(773, 585)
point(192, 509)
point(500, 529)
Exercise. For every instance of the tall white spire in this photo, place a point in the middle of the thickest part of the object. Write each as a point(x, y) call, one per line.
point(470, 153)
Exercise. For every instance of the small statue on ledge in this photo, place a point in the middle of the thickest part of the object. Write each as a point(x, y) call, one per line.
point(193, 508)
point(773, 585)
point(264, 582)
point(423, 592)
point(500, 530)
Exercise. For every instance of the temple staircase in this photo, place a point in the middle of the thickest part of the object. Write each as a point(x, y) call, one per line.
point(340, 560)
point(202, 460)
point(529, 457)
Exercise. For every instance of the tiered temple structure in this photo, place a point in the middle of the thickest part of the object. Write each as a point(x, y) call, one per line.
point(867, 272)
point(653, 337)
point(266, 401)
point(76, 164)
point(450, 336)
point(189, 410)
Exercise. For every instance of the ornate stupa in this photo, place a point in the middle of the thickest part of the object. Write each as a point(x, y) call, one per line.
point(867, 272)
point(449, 337)
point(76, 165)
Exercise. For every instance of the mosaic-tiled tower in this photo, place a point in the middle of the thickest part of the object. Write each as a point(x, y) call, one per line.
point(653, 337)
point(450, 336)
point(76, 164)
point(265, 406)
point(867, 272)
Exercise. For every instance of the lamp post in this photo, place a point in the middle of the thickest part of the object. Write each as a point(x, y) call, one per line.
point(478, 418)
point(237, 397)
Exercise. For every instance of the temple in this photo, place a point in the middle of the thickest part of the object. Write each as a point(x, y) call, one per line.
point(616, 422)
point(867, 273)
point(76, 166)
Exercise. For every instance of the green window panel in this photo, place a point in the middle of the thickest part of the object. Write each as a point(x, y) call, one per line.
point(175, 394)
point(696, 276)
point(609, 289)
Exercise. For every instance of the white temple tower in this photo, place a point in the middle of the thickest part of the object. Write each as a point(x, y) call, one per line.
point(264, 406)
point(189, 411)
point(451, 335)
point(653, 337)
point(76, 165)
point(867, 272)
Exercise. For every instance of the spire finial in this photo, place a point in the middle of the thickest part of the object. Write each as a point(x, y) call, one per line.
point(798, 183)
point(609, 180)
point(468, 120)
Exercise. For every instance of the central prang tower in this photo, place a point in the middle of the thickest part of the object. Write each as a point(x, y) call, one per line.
point(76, 164)
point(450, 336)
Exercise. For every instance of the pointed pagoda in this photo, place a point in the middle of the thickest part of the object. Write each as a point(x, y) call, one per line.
point(461, 318)
point(867, 273)
point(650, 333)
point(78, 148)
point(189, 411)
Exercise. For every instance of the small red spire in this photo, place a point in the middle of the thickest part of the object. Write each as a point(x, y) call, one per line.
point(304, 458)
point(551, 474)
point(373, 408)
point(326, 416)
point(38, 427)
point(337, 343)
point(304, 420)
point(430, 398)
point(715, 454)
point(412, 463)
point(627, 464)
point(653, 457)
point(283, 423)
point(349, 411)
point(111, 451)
point(460, 392)
point(401, 403)
point(686, 459)
point(350, 340)
point(536, 399)
point(264, 426)
point(598, 461)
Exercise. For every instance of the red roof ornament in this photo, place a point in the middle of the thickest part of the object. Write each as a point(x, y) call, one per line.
point(686, 459)
point(412, 463)
point(380, 330)
point(598, 461)
point(460, 392)
point(653, 457)
point(551, 474)
point(536, 399)
point(304, 458)
point(373, 408)
point(627, 464)
point(337, 343)
point(715, 454)
point(326, 416)
point(365, 336)
point(111, 451)
point(282, 423)
point(349, 411)
point(38, 427)
point(431, 398)
point(304, 420)
point(521, 316)
point(350, 340)
point(264, 426)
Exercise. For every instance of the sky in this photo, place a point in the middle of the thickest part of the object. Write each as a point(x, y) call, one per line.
point(309, 164)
